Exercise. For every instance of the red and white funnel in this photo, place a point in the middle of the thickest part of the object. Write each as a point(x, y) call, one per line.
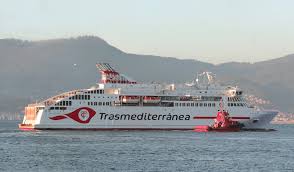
point(109, 75)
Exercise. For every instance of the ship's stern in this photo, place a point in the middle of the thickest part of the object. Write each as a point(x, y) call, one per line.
point(31, 116)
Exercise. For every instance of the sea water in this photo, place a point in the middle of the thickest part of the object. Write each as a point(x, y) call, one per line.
point(145, 150)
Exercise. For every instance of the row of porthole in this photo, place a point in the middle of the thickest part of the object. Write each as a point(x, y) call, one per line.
point(99, 103)
point(195, 104)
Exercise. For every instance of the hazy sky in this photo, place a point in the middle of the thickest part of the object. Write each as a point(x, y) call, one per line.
point(209, 30)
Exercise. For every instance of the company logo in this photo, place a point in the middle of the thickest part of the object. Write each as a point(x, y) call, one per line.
point(82, 115)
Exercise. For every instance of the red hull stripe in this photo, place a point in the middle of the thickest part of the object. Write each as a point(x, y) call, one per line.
point(240, 117)
point(59, 117)
point(116, 129)
point(212, 117)
point(204, 117)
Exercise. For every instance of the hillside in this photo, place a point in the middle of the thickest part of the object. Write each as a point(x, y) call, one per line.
point(32, 71)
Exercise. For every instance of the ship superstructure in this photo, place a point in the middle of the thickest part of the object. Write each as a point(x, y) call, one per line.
point(118, 102)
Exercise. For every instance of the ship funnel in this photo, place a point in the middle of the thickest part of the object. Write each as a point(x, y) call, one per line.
point(109, 75)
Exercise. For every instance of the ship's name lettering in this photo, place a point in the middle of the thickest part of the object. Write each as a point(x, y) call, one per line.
point(143, 116)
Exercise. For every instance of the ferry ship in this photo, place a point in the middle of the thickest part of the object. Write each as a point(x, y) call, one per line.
point(120, 103)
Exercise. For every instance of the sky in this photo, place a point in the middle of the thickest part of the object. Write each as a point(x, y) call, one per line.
point(214, 31)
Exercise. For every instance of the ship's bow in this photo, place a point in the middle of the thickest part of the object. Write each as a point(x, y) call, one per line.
point(261, 119)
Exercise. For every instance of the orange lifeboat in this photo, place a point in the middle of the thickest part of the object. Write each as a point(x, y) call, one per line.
point(130, 99)
point(151, 99)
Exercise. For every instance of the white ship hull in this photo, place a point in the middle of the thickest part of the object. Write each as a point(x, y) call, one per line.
point(144, 118)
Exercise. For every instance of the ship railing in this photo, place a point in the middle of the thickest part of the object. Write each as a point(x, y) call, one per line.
point(35, 105)
point(56, 98)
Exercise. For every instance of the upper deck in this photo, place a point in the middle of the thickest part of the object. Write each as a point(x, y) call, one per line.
point(117, 86)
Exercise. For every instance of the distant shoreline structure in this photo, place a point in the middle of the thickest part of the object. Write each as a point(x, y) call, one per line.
point(10, 116)
point(283, 118)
